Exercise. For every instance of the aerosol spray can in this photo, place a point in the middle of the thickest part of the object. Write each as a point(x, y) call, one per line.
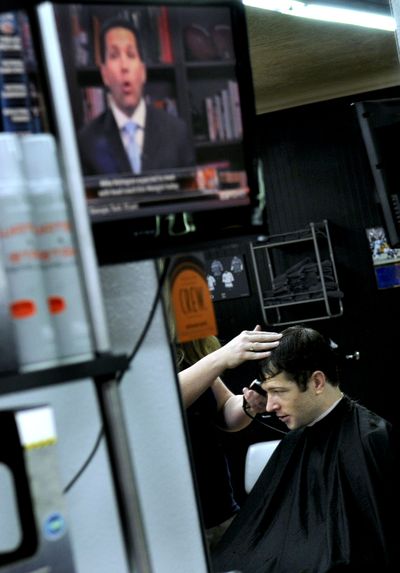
point(63, 283)
point(34, 333)
point(8, 351)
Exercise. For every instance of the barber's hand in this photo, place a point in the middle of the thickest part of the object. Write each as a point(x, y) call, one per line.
point(256, 403)
point(249, 345)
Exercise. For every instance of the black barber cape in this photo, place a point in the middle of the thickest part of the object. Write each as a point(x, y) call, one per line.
point(325, 502)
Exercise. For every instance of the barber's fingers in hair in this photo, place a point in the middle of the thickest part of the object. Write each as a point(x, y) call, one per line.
point(262, 334)
point(257, 354)
point(258, 346)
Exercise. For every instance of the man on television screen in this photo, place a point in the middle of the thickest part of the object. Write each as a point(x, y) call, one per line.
point(130, 136)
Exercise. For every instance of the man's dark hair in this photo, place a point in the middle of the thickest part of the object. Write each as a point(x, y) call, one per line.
point(118, 22)
point(300, 352)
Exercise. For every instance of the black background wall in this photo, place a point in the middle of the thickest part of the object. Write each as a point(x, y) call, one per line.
point(315, 168)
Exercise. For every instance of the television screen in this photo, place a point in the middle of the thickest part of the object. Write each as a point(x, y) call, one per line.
point(162, 109)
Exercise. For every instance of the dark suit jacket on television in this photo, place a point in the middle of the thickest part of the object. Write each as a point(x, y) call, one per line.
point(166, 144)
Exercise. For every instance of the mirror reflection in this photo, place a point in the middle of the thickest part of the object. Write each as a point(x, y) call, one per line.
point(315, 168)
point(299, 449)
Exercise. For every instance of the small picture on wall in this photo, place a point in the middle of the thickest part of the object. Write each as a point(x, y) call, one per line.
point(381, 251)
point(227, 277)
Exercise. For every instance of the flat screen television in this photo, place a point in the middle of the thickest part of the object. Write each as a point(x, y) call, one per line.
point(380, 127)
point(191, 179)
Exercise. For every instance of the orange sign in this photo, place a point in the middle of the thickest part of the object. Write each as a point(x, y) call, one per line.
point(191, 302)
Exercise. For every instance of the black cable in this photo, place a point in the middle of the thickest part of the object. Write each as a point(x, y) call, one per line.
point(86, 463)
point(119, 374)
point(245, 408)
point(153, 309)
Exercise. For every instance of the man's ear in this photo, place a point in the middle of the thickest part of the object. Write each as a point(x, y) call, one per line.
point(318, 380)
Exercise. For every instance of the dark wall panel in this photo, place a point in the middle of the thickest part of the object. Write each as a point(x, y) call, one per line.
point(315, 167)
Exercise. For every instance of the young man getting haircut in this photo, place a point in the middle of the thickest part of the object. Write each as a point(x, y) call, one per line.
point(327, 500)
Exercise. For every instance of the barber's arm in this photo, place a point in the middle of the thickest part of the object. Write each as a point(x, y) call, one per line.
point(248, 345)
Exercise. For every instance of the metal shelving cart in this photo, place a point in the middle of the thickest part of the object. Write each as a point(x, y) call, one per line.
point(296, 276)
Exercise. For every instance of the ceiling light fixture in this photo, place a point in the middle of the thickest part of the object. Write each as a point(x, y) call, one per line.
point(326, 13)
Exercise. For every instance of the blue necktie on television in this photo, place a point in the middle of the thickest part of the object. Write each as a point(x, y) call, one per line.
point(133, 150)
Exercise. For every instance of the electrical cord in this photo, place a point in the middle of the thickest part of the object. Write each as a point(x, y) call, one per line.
point(120, 374)
point(261, 417)
point(78, 474)
point(153, 309)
